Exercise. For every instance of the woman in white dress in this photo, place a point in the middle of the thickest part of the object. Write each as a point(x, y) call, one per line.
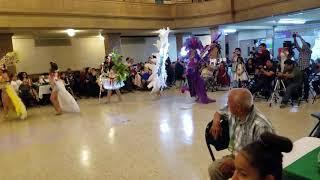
point(61, 99)
point(66, 100)
point(240, 74)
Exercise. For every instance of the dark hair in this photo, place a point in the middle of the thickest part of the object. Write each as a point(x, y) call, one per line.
point(240, 59)
point(263, 45)
point(289, 62)
point(237, 49)
point(270, 60)
point(266, 155)
point(53, 67)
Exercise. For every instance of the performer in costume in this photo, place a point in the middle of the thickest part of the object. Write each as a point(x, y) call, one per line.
point(53, 77)
point(195, 82)
point(61, 99)
point(113, 75)
point(212, 51)
point(157, 81)
point(9, 97)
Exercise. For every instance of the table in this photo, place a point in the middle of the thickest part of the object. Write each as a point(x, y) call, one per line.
point(44, 89)
point(305, 151)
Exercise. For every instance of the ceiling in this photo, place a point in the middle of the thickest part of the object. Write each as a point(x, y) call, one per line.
point(310, 16)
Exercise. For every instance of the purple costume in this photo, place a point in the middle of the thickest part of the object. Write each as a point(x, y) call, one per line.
point(196, 83)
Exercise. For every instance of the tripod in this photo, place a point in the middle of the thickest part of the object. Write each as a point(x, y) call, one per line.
point(277, 88)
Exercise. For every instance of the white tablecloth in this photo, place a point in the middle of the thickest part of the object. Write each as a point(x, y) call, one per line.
point(44, 89)
point(300, 148)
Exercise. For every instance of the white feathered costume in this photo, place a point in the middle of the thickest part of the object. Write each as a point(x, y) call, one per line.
point(159, 75)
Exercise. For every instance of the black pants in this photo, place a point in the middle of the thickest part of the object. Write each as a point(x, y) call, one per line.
point(306, 86)
point(262, 84)
point(291, 90)
point(316, 86)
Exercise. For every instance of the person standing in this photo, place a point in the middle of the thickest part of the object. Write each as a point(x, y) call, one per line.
point(304, 62)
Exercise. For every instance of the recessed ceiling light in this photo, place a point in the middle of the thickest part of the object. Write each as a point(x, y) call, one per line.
point(292, 21)
point(71, 32)
point(226, 31)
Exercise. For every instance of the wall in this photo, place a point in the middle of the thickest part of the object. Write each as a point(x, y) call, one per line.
point(83, 52)
point(252, 34)
point(233, 42)
point(140, 48)
point(127, 15)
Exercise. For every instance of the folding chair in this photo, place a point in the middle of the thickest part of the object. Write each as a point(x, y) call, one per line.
point(222, 142)
point(316, 130)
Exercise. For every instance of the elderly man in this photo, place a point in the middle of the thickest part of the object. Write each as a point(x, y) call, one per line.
point(246, 124)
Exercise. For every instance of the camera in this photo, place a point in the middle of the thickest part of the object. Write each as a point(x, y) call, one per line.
point(294, 35)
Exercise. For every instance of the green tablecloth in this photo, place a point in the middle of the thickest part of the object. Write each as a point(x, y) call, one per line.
point(305, 168)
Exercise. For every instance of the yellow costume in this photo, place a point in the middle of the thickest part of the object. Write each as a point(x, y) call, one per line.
point(17, 104)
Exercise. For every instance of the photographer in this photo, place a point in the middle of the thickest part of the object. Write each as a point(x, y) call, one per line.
point(264, 79)
point(262, 56)
point(304, 62)
point(292, 77)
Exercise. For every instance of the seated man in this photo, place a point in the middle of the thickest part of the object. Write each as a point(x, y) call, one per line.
point(316, 81)
point(293, 80)
point(264, 80)
point(246, 124)
point(27, 94)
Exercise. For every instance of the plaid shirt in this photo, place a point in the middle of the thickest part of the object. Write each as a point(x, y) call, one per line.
point(248, 131)
point(304, 56)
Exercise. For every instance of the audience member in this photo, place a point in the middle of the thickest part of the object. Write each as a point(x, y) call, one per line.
point(240, 76)
point(304, 62)
point(180, 72)
point(223, 78)
point(264, 79)
point(170, 72)
point(262, 56)
point(27, 94)
point(262, 160)
point(246, 124)
point(293, 78)
point(15, 82)
point(236, 55)
point(251, 69)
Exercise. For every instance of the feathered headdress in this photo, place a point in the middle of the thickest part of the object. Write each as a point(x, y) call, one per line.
point(194, 43)
point(10, 58)
point(121, 69)
point(215, 36)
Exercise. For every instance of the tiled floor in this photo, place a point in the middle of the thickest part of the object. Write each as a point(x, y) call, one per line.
point(141, 138)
